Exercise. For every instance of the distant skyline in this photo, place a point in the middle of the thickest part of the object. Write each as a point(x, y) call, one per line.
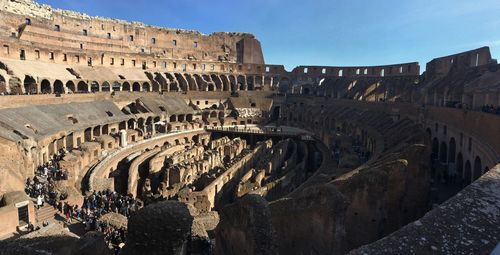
point(324, 32)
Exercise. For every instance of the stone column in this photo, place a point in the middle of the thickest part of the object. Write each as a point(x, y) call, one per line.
point(123, 138)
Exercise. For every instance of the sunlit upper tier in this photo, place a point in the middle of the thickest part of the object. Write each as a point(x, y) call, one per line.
point(74, 38)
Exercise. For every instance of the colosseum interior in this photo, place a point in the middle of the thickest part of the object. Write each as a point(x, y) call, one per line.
point(123, 137)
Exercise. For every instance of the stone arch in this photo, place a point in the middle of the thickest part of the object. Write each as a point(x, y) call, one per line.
point(96, 131)
point(162, 82)
point(94, 86)
point(70, 87)
point(435, 148)
point(146, 87)
point(45, 87)
point(258, 82)
point(173, 118)
point(477, 168)
point(3, 84)
point(218, 83)
point(131, 124)
point(211, 87)
point(267, 81)
point(59, 87)
point(213, 114)
point(443, 152)
point(88, 134)
point(202, 84)
point(467, 173)
point(105, 87)
point(233, 83)
point(30, 86)
point(116, 86)
point(429, 133)
point(225, 83)
point(126, 86)
point(182, 82)
point(191, 82)
point(136, 87)
point(105, 129)
point(82, 87)
point(250, 83)
point(452, 150)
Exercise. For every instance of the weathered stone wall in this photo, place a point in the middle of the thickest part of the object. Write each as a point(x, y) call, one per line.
point(245, 228)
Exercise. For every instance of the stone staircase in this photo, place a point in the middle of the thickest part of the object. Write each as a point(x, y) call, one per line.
point(46, 213)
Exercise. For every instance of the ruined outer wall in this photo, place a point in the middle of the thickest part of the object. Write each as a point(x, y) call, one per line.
point(111, 35)
point(442, 65)
point(402, 69)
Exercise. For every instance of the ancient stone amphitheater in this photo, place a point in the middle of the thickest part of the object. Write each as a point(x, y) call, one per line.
point(185, 143)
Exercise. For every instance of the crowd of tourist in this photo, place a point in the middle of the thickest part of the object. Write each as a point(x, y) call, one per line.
point(98, 204)
point(490, 109)
point(42, 185)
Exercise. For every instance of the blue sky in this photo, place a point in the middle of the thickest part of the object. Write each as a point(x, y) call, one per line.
point(325, 32)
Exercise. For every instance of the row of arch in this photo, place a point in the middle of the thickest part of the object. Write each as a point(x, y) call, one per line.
point(58, 87)
point(446, 153)
point(210, 82)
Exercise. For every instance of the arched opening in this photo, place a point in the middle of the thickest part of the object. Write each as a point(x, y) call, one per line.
point(452, 149)
point(59, 87)
point(88, 134)
point(106, 87)
point(435, 149)
point(191, 82)
point(181, 117)
point(443, 152)
point(3, 85)
point(94, 87)
point(70, 86)
point(233, 83)
point(250, 83)
point(276, 113)
point(173, 118)
point(305, 91)
point(217, 81)
point(467, 173)
point(46, 89)
point(429, 133)
point(122, 125)
point(213, 114)
point(241, 82)
point(184, 86)
point(105, 129)
point(146, 87)
point(117, 86)
point(136, 87)
point(29, 85)
point(221, 115)
point(189, 117)
point(131, 124)
point(225, 83)
point(210, 87)
point(96, 131)
point(477, 168)
point(140, 123)
point(126, 86)
point(82, 87)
